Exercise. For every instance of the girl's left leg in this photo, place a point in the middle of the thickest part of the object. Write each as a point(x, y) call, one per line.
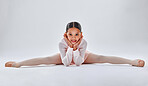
point(95, 58)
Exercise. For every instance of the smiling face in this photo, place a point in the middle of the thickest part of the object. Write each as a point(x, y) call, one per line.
point(74, 35)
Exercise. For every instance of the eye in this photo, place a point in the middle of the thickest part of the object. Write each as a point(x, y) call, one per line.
point(70, 34)
point(76, 34)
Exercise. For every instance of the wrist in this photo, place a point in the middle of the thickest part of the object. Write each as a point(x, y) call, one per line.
point(74, 48)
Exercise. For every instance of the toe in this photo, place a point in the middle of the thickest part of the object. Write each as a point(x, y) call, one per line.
point(138, 63)
point(9, 64)
point(141, 63)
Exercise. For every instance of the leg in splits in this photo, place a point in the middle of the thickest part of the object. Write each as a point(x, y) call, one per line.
point(54, 59)
point(95, 58)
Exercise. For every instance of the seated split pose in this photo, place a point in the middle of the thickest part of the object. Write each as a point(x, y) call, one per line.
point(73, 51)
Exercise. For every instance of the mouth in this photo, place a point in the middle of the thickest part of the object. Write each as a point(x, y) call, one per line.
point(73, 41)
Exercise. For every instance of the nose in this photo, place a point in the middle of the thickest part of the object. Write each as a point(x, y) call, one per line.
point(73, 37)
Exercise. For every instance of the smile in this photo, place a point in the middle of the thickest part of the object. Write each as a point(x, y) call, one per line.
point(73, 41)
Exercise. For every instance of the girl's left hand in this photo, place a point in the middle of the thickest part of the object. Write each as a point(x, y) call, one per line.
point(75, 45)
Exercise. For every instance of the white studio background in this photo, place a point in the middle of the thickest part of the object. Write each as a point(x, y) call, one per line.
point(33, 28)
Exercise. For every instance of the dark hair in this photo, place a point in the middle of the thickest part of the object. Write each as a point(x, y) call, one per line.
point(73, 24)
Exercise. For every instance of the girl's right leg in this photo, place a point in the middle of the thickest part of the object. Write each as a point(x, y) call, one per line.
point(54, 59)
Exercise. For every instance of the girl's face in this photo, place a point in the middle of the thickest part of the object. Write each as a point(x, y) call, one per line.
point(74, 35)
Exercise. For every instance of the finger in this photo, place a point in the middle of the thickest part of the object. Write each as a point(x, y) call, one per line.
point(80, 41)
point(70, 43)
point(64, 35)
point(77, 43)
point(82, 36)
point(65, 38)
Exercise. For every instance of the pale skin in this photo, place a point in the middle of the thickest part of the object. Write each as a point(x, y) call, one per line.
point(73, 37)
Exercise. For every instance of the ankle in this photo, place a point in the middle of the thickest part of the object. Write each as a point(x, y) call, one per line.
point(134, 62)
point(130, 62)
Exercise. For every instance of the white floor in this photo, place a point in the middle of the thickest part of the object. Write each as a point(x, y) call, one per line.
point(84, 75)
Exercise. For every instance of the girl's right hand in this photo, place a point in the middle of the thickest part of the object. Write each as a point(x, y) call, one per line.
point(69, 43)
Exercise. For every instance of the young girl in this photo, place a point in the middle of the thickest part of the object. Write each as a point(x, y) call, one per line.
point(73, 51)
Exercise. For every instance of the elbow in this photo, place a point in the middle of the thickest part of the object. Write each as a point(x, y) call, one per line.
point(65, 63)
point(78, 64)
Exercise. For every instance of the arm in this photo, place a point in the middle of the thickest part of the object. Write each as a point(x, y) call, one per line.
point(66, 54)
point(80, 53)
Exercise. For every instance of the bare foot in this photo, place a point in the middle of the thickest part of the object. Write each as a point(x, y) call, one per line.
point(12, 64)
point(138, 63)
